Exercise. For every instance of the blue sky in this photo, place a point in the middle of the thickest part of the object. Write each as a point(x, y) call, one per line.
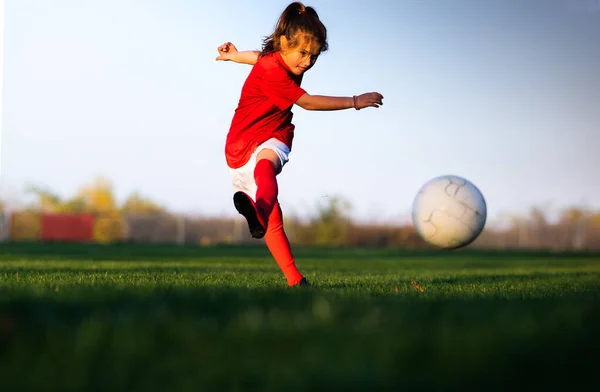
point(504, 93)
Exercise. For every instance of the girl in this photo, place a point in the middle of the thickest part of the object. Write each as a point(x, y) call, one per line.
point(260, 137)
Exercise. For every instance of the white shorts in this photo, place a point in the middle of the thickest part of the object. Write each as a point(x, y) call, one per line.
point(242, 178)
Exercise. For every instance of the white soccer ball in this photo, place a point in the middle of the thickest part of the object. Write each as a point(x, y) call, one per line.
point(449, 212)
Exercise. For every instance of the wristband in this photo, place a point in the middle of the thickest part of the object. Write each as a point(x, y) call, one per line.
point(355, 102)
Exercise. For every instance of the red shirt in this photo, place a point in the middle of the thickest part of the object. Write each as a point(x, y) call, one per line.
point(264, 109)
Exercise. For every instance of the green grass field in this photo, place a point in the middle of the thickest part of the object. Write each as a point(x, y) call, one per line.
point(162, 318)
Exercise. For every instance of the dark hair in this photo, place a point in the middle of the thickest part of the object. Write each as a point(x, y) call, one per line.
point(296, 18)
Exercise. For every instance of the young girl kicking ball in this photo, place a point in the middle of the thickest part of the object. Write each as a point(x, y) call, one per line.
point(259, 141)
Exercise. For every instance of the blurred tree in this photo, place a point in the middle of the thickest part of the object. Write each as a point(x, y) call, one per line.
point(573, 214)
point(332, 222)
point(96, 198)
point(46, 200)
point(49, 202)
point(139, 205)
point(520, 230)
point(538, 217)
point(538, 228)
point(25, 226)
point(108, 227)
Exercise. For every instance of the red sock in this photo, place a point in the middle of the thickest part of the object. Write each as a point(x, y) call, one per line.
point(266, 194)
point(279, 246)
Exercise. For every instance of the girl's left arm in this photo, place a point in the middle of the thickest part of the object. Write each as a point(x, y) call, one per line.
point(325, 102)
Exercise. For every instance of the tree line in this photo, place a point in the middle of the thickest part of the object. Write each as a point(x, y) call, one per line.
point(140, 220)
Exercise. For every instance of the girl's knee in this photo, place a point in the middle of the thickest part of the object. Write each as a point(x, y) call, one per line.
point(271, 156)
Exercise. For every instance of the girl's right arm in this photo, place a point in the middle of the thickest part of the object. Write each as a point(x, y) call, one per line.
point(323, 102)
point(228, 52)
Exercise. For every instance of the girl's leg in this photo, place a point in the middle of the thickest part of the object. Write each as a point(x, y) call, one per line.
point(279, 246)
point(265, 173)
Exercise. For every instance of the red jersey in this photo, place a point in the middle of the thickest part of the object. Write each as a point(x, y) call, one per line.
point(264, 109)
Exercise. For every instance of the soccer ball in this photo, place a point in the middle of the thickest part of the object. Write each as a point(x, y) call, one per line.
point(449, 212)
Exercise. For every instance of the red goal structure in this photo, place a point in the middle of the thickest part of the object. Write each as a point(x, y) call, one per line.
point(67, 227)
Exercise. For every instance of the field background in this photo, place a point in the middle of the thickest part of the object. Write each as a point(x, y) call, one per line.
point(179, 318)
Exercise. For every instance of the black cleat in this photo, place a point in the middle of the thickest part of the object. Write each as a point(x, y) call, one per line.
point(246, 207)
point(303, 282)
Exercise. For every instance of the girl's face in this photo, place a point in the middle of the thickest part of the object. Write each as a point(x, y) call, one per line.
point(302, 57)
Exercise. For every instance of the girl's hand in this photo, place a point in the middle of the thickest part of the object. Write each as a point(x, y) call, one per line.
point(369, 100)
point(227, 52)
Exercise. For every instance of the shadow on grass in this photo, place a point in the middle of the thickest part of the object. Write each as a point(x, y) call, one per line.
point(234, 338)
point(259, 335)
